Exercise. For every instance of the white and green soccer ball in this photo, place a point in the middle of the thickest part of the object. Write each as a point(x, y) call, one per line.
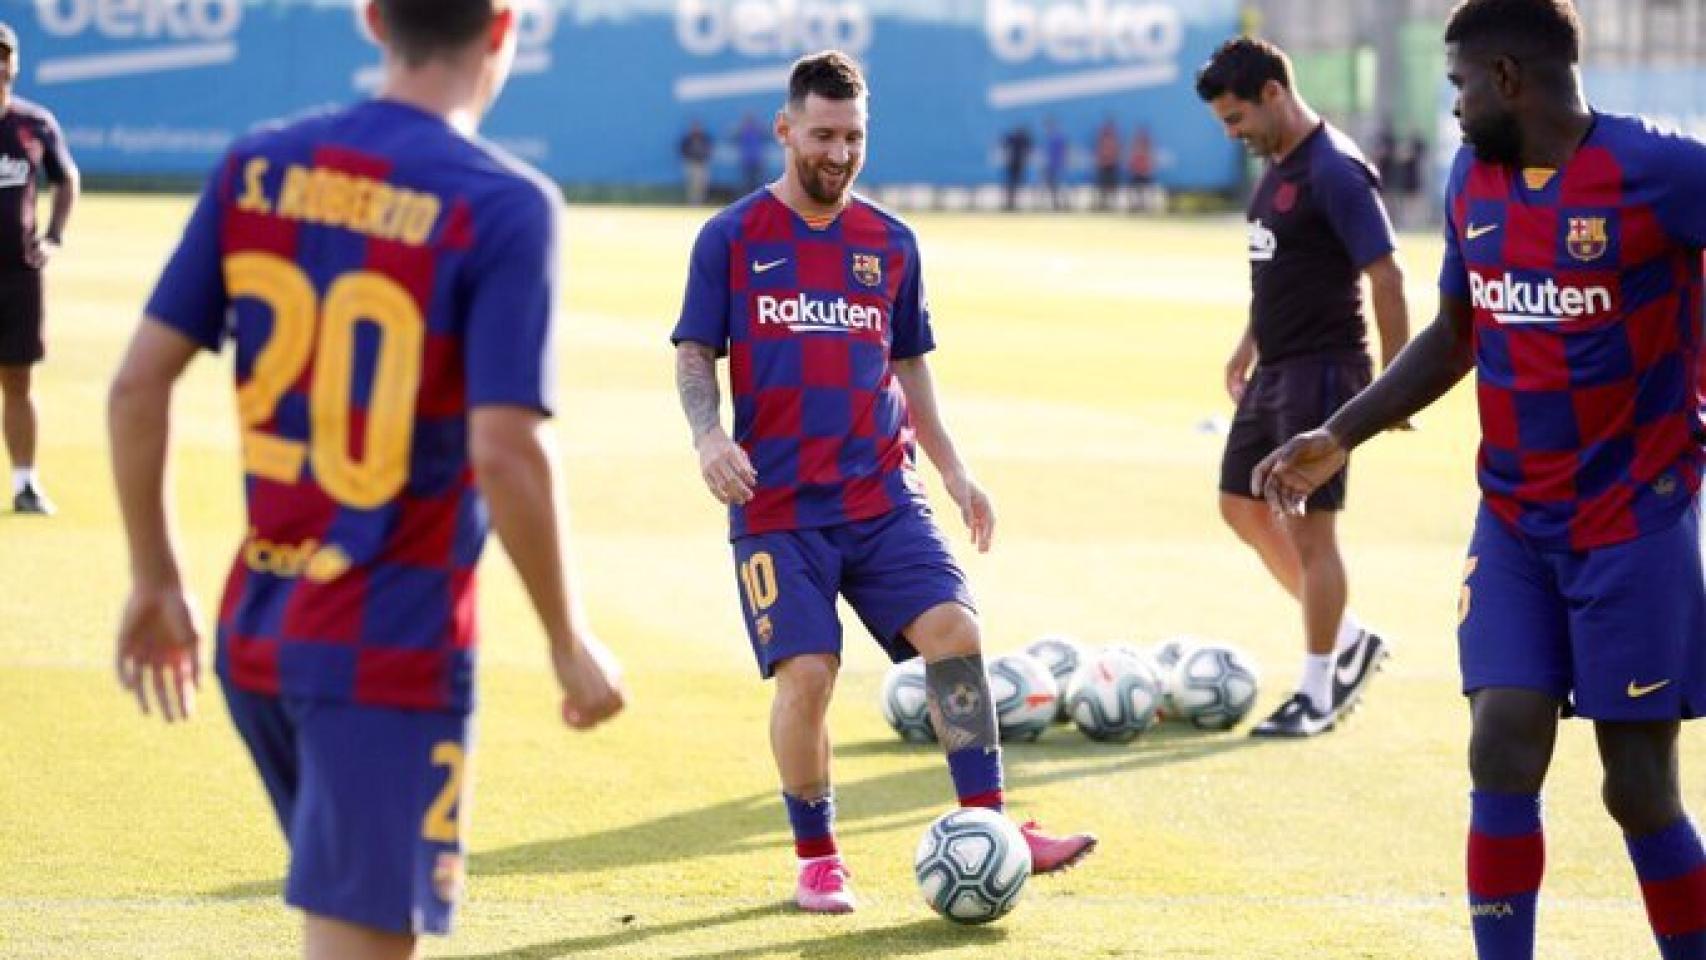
point(1213, 686)
point(1062, 655)
point(905, 702)
point(1025, 693)
point(972, 865)
point(1114, 695)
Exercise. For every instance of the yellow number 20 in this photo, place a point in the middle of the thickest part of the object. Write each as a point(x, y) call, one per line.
point(441, 823)
point(379, 474)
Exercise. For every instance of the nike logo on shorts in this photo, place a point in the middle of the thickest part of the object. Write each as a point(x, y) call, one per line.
point(1636, 691)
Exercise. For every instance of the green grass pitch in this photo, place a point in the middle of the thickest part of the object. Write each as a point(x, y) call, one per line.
point(1078, 360)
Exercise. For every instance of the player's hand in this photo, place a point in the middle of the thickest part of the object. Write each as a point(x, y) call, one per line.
point(591, 680)
point(726, 468)
point(1238, 373)
point(159, 651)
point(976, 509)
point(41, 252)
point(1286, 477)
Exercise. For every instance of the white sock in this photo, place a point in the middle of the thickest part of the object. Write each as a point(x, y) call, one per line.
point(1317, 682)
point(22, 477)
point(1350, 628)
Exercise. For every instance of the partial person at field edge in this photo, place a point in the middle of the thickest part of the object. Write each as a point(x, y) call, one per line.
point(816, 296)
point(1572, 287)
point(32, 149)
point(1316, 227)
point(394, 379)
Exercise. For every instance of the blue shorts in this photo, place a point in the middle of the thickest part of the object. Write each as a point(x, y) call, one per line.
point(891, 569)
point(1617, 633)
point(370, 799)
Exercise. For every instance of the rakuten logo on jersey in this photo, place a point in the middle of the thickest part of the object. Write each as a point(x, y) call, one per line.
point(1513, 299)
point(198, 33)
point(1112, 46)
point(804, 314)
point(771, 28)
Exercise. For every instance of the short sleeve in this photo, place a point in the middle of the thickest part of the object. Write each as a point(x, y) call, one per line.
point(705, 306)
point(1350, 197)
point(1682, 170)
point(1453, 272)
point(190, 296)
point(56, 156)
point(510, 332)
point(913, 336)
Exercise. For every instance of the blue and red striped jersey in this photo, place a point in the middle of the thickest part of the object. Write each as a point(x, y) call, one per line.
point(380, 275)
point(1586, 292)
point(810, 318)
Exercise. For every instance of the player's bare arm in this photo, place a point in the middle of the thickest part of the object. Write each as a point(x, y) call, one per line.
point(158, 648)
point(512, 458)
point(1431, 365)
point(65, 196)
point(1238, 365)
point(1391, 311)
point(975, 506)
point(727, 470)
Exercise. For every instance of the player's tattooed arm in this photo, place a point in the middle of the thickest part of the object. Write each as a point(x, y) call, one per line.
point(696, 382)
point(725, 467)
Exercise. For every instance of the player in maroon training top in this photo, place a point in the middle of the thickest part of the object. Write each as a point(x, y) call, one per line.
point(1571, 286)
point(31, 150)
point(817, 298)
point(1317, 227)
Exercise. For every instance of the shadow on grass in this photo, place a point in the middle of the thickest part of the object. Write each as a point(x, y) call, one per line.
point(913, 938)
point(875, 804)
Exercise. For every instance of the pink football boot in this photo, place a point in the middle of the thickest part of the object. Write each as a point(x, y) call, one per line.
point(823, 887)
point(1050, 854)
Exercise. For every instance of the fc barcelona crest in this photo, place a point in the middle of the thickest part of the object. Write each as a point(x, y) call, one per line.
point(868, 269)
point(1588, 238)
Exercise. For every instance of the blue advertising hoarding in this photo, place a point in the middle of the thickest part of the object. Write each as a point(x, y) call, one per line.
point(603, 89)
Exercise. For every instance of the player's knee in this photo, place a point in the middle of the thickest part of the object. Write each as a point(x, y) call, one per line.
point(1641, 803)
point(806, 682)
point(946, 630)
point(1503, 761)
point(1242, 515)
point(15, 382)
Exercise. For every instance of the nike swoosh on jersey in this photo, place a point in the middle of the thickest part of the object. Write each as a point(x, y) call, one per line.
point(1476, 233)
point(1636, 691)
point(767, 267)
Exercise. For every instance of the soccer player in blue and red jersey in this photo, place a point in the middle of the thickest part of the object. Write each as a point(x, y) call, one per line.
point(1572, 287)
point(388, 283)
point(817, 298)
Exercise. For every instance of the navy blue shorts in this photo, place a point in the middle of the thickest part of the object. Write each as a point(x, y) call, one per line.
point(1617, 633)
point(370, 799)
point(891, 569)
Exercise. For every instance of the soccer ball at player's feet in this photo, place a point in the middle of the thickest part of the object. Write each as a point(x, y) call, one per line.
point(823, 887)
point(972, 865)
point(1062, 655)
point(1025, 693)
point(905, 702)
point(1114, 695)
point(1213, 686)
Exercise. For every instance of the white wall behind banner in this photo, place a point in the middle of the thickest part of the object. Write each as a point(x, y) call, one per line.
point(604, 88)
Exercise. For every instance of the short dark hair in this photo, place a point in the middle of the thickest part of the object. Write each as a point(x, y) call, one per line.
point(1533, 29)
point(1242, 66)
point(420, 30)
point(831, 74)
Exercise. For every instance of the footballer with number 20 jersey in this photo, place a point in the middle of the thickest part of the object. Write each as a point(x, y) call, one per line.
point(379, 276)
point(1586, 291)
point(810, 318)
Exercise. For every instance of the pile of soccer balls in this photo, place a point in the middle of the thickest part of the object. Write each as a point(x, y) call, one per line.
point(1112, 693)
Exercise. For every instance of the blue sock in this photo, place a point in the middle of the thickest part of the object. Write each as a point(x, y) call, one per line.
point(1507, 858)
point(814, 825)
point(977, 776)
point(1671, 865)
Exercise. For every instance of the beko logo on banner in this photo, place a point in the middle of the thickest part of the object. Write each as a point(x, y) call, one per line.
point(200, 33)
point(1132, 45)
point(767, 29)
